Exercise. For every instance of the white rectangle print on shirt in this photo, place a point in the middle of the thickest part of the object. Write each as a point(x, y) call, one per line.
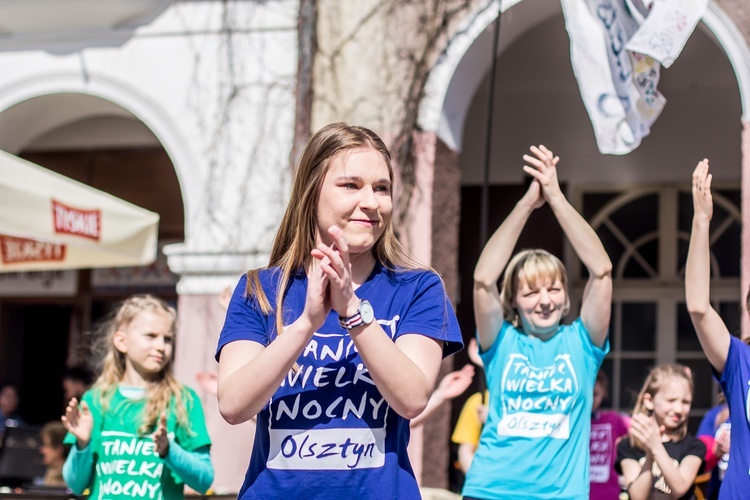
point(326, 449)
point(536, 400)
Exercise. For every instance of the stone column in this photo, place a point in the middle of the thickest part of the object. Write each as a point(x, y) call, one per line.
point(201, 307)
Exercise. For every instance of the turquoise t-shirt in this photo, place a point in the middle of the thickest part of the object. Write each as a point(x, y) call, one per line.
point(126, 465)
point(535, 443)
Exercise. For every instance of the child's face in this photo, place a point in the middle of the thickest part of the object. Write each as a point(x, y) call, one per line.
point(147, 342)
point(50, 454)
point(672, 403)
point(540, 305)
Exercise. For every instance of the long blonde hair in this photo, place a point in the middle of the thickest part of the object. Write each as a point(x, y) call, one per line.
point(656, 379)
point(161, 391)
point(532, 266)
point(297, 232)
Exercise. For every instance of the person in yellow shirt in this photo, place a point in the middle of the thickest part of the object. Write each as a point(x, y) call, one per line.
point(471, 419)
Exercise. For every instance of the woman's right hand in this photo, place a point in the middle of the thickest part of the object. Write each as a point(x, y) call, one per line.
point(317, 302)
point(79, 421)
point(703, 204)
point(533, 198)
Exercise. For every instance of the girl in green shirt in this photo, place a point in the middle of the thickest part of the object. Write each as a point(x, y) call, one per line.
point(138, 433)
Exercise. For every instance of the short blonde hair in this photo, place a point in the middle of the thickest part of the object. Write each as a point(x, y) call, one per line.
point(532, 266)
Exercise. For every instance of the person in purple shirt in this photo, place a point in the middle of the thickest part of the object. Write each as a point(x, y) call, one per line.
point(607, 427)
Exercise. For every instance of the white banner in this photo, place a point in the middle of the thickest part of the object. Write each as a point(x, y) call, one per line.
point(51, 222)
point(618, 84)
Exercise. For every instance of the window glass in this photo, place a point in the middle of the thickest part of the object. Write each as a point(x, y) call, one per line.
point(638, 326)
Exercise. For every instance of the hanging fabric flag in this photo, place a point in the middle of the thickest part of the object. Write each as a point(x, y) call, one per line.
point(617, 49)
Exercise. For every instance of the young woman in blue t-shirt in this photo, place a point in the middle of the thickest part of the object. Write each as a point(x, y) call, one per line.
point(338, 341)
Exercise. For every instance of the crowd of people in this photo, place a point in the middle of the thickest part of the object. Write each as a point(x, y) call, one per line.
point(335, 347)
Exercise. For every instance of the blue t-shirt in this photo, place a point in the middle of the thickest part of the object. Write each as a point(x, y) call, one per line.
point(327, 431)
point(735, 382)
point(535, 443)
point(708, 425)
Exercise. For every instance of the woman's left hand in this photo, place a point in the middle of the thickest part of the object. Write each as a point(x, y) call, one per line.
point(160, 436)
point(543, 167)
point(334, 261)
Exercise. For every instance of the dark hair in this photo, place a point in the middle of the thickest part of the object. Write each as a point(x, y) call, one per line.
point(603, 380)
point(78, 373)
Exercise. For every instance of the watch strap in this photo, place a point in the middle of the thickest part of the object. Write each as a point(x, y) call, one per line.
point(352, 321)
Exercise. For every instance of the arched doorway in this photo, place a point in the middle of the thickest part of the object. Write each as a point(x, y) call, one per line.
point(537, 101)
point(44, 325)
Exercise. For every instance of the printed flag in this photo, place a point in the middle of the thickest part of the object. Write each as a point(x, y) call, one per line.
point(617, 49)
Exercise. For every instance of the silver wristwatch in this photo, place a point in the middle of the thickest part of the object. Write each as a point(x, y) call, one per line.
point(364, 316)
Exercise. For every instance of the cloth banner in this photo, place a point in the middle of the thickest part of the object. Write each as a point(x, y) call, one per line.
point(51, 222)
point(617, 48)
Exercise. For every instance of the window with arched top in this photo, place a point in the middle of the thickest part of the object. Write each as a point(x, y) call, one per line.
point(646, 231)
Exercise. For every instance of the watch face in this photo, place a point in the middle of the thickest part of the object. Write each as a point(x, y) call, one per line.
point(365, 310)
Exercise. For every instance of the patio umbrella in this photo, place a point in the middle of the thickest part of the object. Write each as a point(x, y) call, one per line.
point(48, 221)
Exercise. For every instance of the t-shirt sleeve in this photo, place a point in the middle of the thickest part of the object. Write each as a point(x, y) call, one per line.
point(244, 320)
point(625, 451)
point(196, 436)
point(695, 447)
point(468, 427)
point(737, 351)
point(489, 356)
point(621, 427)
point(431, 314)
point(594, 352)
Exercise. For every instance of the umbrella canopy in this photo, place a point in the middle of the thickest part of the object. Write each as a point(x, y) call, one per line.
point(48, 221)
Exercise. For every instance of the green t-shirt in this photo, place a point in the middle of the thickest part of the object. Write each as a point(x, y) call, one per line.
point(127, 465)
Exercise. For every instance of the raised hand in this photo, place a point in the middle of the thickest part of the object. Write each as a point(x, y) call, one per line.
point(703, 203)
point(543, 168)
point(79, 422)
point(334, 262)
point(208, 381)
point(160, 436)
point(456, 382)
